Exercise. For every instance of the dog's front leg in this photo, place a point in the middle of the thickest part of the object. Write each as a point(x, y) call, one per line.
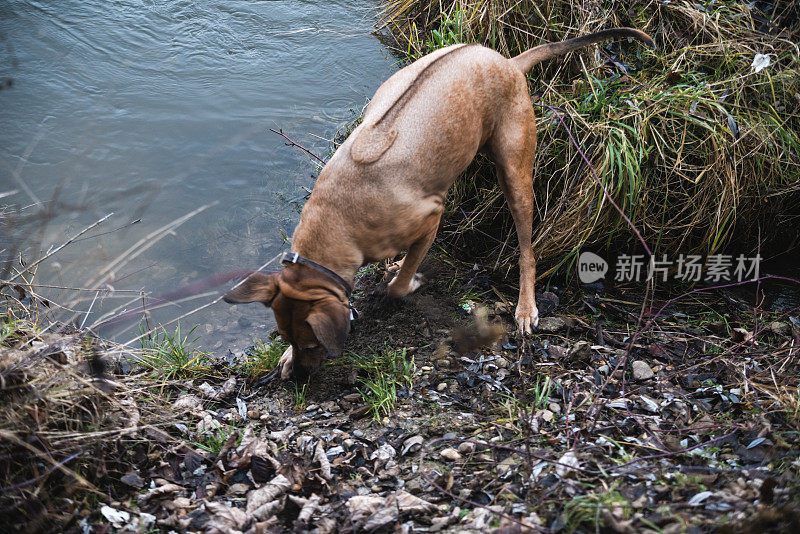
point(406, 280)
point(285, 363)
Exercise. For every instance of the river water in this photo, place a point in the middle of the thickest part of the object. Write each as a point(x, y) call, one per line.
point(152, 109)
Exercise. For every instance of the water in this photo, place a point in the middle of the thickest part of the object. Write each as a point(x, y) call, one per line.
point(150, 110)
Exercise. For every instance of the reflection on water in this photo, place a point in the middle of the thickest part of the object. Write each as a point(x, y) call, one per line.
point(152, 109)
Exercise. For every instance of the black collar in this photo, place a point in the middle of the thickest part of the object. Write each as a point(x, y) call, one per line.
point(294, 257)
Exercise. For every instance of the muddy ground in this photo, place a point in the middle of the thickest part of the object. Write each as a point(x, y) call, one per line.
point(690, 425)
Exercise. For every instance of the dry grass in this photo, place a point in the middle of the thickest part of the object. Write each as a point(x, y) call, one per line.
point(68, 433)
point(701, 152)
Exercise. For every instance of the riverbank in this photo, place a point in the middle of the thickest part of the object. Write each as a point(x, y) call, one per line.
point(691, 424)
point(627, 411)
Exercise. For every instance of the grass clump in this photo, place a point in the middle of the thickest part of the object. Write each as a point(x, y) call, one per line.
point(701, 152)
point(171, 356)
point(263, 357)
point(381, 374)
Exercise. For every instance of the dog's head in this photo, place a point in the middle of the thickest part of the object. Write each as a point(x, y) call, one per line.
point(311, 314)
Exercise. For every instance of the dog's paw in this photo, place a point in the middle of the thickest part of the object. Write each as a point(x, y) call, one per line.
point(396, 266)
point(396, 291)
point(527, 317)
point(285, 364)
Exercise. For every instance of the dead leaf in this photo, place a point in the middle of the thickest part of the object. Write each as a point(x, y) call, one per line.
point(224, 519)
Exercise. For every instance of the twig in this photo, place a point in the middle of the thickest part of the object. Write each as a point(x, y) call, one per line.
point(68, 242)
point(292, 143)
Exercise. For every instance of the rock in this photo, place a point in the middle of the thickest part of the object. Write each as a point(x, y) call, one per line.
point(352, 397)
point(414, 485)
point(580, 353)
point(554, 407)
point(253, 414)
point(551, 325)
point(780, 328)
point(450, 454)
point(443, 363)
point(642, 371)
point(358, 433)
point(441, 387)
point(467, 447)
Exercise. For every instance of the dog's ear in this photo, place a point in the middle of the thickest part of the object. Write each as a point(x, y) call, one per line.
point(330, 322)
point(257, 287)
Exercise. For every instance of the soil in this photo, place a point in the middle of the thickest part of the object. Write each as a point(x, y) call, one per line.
point(691, 425)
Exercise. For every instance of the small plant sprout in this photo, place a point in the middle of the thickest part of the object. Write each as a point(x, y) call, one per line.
point(300, 395)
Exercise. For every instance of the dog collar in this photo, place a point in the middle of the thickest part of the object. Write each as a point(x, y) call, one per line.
point(293, 257)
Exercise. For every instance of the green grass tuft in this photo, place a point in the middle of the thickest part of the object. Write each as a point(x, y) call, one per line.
point(380, 374)
point(172, 357)
point(263, 357)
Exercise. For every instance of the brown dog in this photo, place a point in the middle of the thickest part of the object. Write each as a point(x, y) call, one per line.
point(383, 190)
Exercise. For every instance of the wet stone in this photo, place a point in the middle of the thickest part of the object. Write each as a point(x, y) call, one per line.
point(642, 371)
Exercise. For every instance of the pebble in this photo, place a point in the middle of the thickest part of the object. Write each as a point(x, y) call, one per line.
point(358, 433)
point(305, 424)
point(551, 325)
point(441, 387)
point(467, 447)
point(554, 407)
point(426, 368)
point(253, 414)
point(450, 454)
point(642, 371)
point(352, 397)
point(348, 443)
point(414, 485)
point(312, 407)
point(443, 363)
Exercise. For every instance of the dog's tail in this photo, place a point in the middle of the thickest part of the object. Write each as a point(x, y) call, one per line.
point(526, 60)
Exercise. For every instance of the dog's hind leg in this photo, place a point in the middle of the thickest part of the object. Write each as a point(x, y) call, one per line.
point(406, 280)
point(513, 147)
